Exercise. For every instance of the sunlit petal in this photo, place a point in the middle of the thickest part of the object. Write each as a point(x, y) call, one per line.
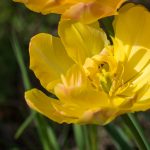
point(44, 49)
point(75, 89)
point(86, 11)
point(80, 40)
point(131, 42)
point(49, 107)
point(92, 11)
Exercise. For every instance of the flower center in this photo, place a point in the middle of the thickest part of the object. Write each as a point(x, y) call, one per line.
point(103, 66)
point(105, 79)
point(100, 70)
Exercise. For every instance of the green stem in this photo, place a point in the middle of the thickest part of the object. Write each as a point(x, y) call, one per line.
point(19, 57)
point(137, 131)
point(46, 133)
point(25, 124)
point(79, 136)
point(86, 137)
point(93, 136)
point(118, 136)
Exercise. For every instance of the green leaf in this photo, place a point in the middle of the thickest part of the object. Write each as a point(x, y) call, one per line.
point(46, 133)
point(120, 138)
point(79, 137)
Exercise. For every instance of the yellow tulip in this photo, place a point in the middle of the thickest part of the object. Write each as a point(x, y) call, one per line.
point(86, 11)
point(94, 81)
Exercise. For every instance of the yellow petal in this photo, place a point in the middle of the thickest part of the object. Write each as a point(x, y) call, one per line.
point(46, 6)
point(48, 59)
point(76, 89)
point(49, 6)
point(92, 11)
point(141, 106)
point(49, 107)
point(131, 29)
point(101, 116)
point(57, 111)
point(131, 42)
point(80, 40)
point(86, 11)
point(142, 102)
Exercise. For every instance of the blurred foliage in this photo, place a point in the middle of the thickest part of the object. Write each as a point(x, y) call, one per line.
point(15, 17)
point(13, 110)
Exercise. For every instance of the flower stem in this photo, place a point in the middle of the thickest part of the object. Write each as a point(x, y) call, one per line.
point(137, 131)
point(93, 137)
point(86, 136)
point(120, 138)
point(46, 134)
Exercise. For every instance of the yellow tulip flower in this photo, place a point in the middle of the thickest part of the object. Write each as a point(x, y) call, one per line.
point(86, 11)
point(94, 81)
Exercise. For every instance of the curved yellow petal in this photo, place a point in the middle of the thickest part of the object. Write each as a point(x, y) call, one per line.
point(101, 116)
point(76, 89)
point(131, 42)
point(86, 11)
point(142, 102)
point(46, 6)
point(80, 40)
point(131, 30)
point(141, 106)
point(58, 112)
point(48, 59)
point(92, 11)
point(49, 107)
point(49, 6)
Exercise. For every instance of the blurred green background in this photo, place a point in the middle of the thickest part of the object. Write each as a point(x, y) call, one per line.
point(17, 26)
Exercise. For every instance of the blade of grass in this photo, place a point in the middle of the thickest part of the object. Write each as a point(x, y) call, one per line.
point(19, 57)
point(79, 137)
point(52, 138)
point(25, 124)
point(136, 130)
point(46, 136)
point(86, 137)
point(64, 135)
point(119, 137)
point(93, 137)
point(45, 132)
